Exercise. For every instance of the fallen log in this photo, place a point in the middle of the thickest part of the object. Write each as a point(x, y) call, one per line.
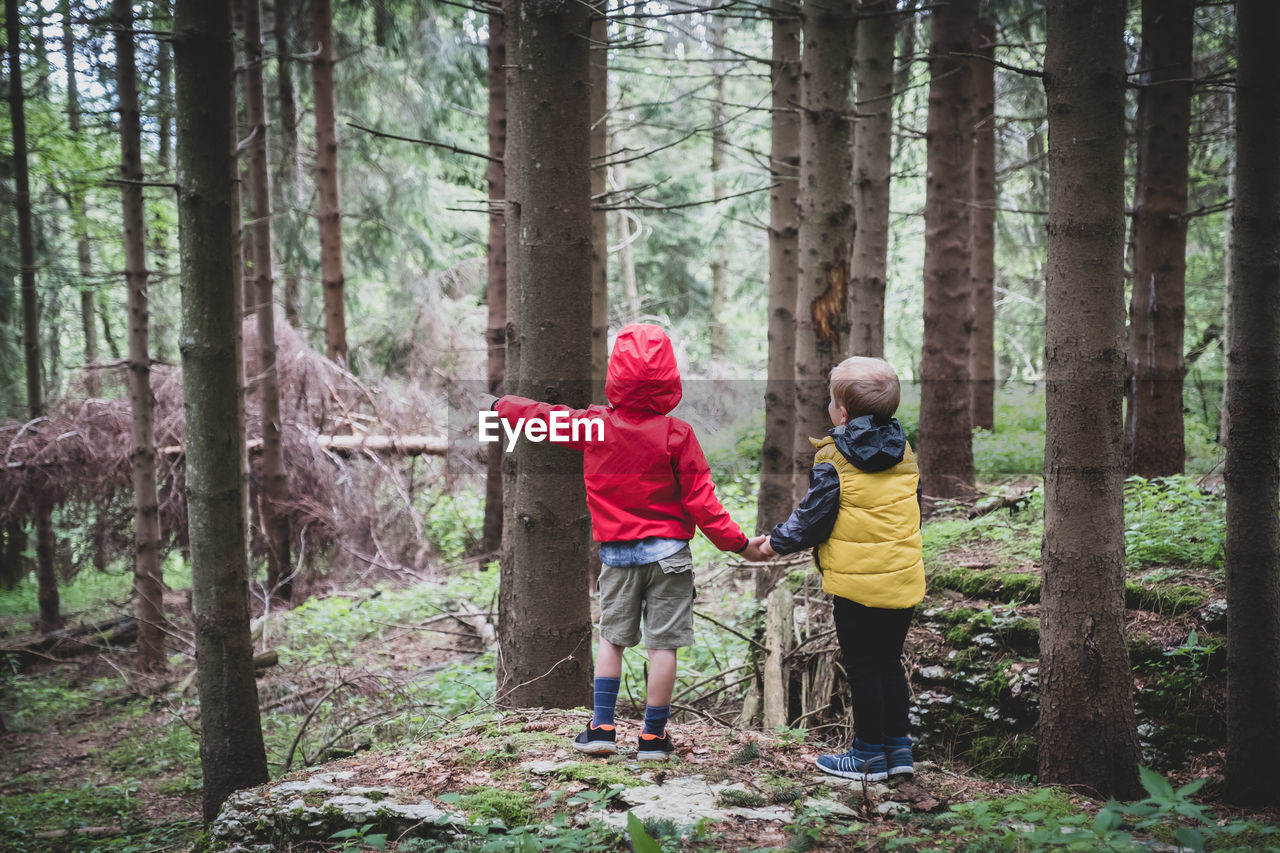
point(47, 641)
point(385, 445)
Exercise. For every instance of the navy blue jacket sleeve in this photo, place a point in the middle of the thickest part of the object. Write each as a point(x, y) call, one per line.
point(812, 522)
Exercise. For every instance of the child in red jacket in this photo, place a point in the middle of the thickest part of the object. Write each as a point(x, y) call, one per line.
point(648, 486)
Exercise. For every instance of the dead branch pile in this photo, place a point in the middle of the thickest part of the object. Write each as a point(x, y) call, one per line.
point(353, 493)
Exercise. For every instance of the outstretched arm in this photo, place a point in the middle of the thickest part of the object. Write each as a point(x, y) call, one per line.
point(562, 425)
point(813, 520)
point(698, 493)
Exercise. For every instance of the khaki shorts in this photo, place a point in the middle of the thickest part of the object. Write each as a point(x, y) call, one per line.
point(662, 593)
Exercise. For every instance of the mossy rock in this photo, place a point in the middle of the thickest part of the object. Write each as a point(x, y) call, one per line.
point(1020, 635)
point(599, 775)
point(992, 584)
point(513, 808)
point(1144, 650)
point(1165, 599)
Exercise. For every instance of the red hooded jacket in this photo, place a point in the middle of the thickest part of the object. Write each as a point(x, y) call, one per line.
point(648, 475)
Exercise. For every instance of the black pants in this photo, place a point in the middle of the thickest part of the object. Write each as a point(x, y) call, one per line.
point(871, 641)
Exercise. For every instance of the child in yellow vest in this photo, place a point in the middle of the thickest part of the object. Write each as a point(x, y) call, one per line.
point(861, 516)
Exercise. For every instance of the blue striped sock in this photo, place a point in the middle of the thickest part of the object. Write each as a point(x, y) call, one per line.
point(605, 701)
point(655, 719)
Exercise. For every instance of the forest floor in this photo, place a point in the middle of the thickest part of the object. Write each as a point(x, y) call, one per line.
point(389, 682)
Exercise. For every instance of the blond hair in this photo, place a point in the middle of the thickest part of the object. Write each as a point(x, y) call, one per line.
point(865, 386)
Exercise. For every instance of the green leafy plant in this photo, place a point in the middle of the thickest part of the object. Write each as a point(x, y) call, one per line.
point(355, 837)
point(1173, 520)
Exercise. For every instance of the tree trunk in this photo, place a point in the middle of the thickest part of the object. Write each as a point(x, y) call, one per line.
point(544, 623)
point(717, 32)
point(163, 10)
point(982, 230)
point(626, 252)
point(148, 586)
point(12, 566)
point(1253, 376)
point(232, 755)
point(335, 314)
point(599, 98)
point(945, 431)
point(825, 243)
point(275, 483)
point(290, 182)
point(773, 504)
point(872, 156)
point(46, 577)
point(93, 382)
point(496, 267)
point(1092, 744)
point(1153, 439)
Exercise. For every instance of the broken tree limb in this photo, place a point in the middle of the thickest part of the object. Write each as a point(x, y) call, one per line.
point(778, 637)
point(386, 445)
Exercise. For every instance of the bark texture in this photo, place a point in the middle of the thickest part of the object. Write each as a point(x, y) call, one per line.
point(544, 639)
point(335, 312)
point(825, 242)
point(773, 503)
point(1153, 439)
point(982, 230)
point(148, 586)
point(945, 431)
point(872, 156)
point(599, 96)
point(288, 181)
point(232, 755)
point(275, 482)
point(22, 203)
point(1253, 448)
point(1092, 744)
point(496, 268)
point(88, 320)
point(717, 32)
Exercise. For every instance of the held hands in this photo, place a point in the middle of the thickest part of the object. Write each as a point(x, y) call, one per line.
point(758, 550)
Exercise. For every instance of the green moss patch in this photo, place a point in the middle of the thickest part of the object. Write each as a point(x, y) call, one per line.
point(513, 808)
point(602, 776)
point(1165, 599)
point(990, 584)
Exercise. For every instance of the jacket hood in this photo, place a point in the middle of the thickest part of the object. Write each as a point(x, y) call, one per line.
point(642, 371)
point(871, 444)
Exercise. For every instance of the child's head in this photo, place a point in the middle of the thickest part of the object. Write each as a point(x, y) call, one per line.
point(863, 386)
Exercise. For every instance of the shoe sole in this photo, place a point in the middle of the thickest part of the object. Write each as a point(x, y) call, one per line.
point(596, 748)
point(905, 770)
point(653, 754)
point(856, 775)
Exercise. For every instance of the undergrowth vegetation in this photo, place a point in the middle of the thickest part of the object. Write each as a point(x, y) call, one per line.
point(371, 667)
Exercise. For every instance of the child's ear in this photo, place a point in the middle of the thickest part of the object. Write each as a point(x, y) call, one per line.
point(844, 414)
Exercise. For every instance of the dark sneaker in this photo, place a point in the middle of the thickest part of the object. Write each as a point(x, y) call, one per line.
point(897, 755)
point(654, 747)
point(865, 762)
point(597, 740)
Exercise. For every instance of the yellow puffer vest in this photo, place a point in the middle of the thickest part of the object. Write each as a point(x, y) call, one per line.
point(873, 556)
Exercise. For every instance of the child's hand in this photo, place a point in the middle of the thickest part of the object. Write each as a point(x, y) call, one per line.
point(766, 548)
point(753, 551)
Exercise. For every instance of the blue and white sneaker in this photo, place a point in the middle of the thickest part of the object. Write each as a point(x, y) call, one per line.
point(897, 754)
point(864, 762)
